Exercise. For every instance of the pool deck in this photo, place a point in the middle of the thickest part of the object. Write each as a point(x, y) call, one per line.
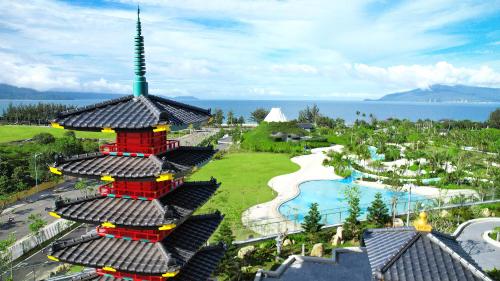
point(266, 219)
point(427, 191)
point(286, 188)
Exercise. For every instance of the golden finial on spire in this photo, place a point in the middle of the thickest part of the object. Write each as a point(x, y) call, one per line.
point(421, 223)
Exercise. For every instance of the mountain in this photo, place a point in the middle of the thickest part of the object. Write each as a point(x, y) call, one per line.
point(185, 98)
point(9, 92)
point(445, 93)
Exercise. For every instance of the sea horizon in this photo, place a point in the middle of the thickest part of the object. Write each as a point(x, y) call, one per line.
point(332, 108)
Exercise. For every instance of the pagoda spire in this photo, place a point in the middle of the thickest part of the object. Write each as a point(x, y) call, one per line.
point(140, 84)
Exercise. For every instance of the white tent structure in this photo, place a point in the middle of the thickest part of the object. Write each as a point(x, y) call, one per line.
point(275, 115)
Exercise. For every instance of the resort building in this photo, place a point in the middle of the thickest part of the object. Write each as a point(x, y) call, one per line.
point(388, 254)
point(145, 227)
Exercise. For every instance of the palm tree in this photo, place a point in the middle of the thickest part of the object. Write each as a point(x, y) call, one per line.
point(394, 185)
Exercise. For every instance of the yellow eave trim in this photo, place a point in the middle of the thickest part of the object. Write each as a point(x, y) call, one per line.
point(165, 177)
point(107, 178)
point(109, 268)
point(107, 130)
point(55, 170)
point(161, 128)
point(54, 214)
point(170, 274)
point(108, 224)
point(167, 227)
point(52, 258)
point(56, 125)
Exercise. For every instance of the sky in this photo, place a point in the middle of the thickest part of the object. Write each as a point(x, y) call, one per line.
point(252, 49)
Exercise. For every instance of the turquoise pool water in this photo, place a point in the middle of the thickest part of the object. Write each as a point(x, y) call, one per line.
point(374, 155)
point(329, 194)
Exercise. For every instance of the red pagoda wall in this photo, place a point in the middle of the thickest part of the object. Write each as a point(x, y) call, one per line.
point(147, 142)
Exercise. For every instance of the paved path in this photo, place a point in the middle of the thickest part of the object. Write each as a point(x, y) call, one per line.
point(485, 254)
point(196, 137)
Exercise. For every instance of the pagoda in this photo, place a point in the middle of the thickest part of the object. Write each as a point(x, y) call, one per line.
point(146, 229)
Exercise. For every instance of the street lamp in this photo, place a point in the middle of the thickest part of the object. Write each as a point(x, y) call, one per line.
point(408, 186)
point(36, 172)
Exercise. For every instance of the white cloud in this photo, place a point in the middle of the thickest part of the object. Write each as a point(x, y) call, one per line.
point(280, 48)
point(264, 92)
point(294, 68)
point(423, 76)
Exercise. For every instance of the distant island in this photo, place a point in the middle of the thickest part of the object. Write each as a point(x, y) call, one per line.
point(185, 98)
point(445, 93)
point(9, 92)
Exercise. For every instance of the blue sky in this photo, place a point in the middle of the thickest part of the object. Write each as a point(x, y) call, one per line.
point(252, 49)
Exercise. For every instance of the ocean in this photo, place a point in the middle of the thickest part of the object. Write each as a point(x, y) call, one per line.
point(335, 109)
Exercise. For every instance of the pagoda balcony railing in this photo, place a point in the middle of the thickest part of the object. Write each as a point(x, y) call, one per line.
point(129, 276)
point(114, 147)
point(148, 193)
point(150, 236)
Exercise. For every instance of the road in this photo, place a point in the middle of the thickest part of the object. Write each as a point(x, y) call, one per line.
point(37, 266)
point(35, 204)
point(471, 240)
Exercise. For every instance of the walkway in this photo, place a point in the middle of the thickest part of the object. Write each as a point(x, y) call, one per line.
point(485, 254)
point(287, 187)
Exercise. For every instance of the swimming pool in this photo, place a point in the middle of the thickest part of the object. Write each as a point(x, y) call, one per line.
point(374, 155)
point(329, 194)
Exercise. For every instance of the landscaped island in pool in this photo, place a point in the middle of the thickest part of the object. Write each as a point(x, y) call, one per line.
point(329, 194)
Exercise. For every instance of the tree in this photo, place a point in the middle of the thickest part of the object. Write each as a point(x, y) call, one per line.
point(230, 118)
point(229, 266)
point(351, 223)
point(36, 224)
point(309, 114)
point(241, 120)
point(312, 220)
point(494, 120)
point(394, 185)
point(83, 186)
point(5, 254)
point(225, 234)
point(378, 214)
point(259, 115)
point(218, 117)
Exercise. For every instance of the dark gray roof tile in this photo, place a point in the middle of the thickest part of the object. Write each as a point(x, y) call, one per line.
point(199, 268)
point(403, 254)
point(180, 160)
point(169, 255)
point(128, 112)
point(172, 208)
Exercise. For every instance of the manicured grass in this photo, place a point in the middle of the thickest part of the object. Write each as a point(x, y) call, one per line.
point(75, 269)
point(10, 133)
point(244, 177)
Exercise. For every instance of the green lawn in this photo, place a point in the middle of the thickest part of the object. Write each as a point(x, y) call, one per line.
point(10, 133)
point(244, 177)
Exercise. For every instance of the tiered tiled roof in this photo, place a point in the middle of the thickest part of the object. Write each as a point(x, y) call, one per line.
point(99, 164)
point(198, 268)
point(169, 255)
point(406, 254)
point(171, 208)
point(129, 112)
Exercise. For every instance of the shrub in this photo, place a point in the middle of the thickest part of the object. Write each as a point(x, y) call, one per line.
point(44, 138)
